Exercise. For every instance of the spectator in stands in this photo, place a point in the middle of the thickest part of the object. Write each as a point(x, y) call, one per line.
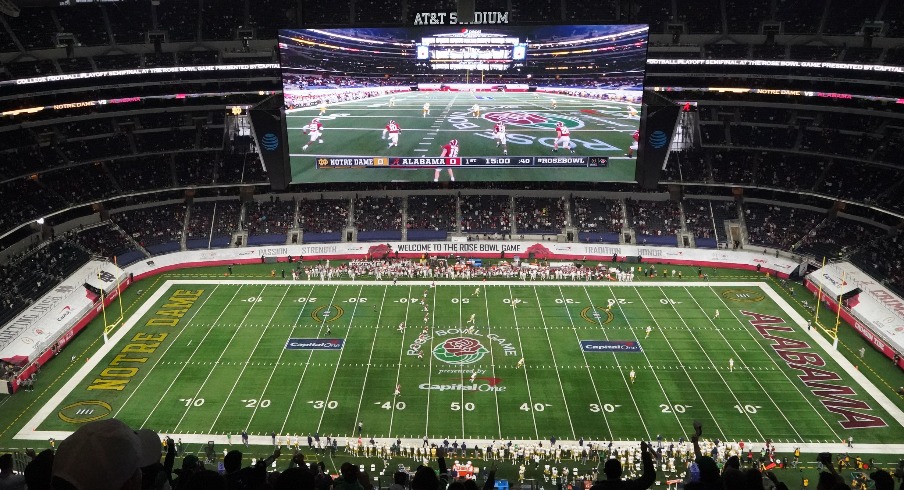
point(247, 478)
point(8, 479)
point(100, 455)
point(613, 472)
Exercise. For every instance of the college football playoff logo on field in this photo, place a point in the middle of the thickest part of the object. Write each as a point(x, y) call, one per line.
point(460, 351)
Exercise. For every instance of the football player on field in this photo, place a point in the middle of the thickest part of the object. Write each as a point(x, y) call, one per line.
point(322, 108)
point(315, 130)
point(450, 150)
point(426, 109)
point(563, 136)
point(475, 110)
point(499, 135)
point(392, 129)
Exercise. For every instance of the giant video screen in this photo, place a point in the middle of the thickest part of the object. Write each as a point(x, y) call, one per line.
point(446, 103)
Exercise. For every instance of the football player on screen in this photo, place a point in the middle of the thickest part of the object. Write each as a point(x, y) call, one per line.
point(499, 136)
point(450, 151)
point(426, 109)
point(634, 144)
point(322, 108)
point(392, 130)
point(563, 137)
point(315, 131)
point(475, 110)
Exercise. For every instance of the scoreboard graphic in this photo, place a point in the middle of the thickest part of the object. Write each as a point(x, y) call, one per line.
point(324, 162)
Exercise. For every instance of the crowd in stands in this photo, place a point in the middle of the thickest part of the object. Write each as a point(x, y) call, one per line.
point(655, 218)
point(597, 215)
point(104, 240)
point(486, 214)
point(540, 214)
point(323, 215)
point(378, 213)
point(437, 213)
point(881, 258)
point(778, 227)
point(836, 238)
point(153, 225)
point(208, 219)
point(273, 217)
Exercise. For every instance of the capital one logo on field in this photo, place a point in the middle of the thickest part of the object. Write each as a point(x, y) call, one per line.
point(530, 119)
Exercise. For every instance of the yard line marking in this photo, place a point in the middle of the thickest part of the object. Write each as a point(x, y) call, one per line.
point(245, 365)
point(181, 331)
point(210, 329)
point(210, 372)
point(461, 370)
point(655, 375)
point(555, 364)
point(486, 303)
point(401, 353)
point(744, 364)
point(775, 363)
point(678, 359)
point(524, 367)
point(430, 366)
point(306, 364)
point(336, 371)
point(714, 367)
point(371, 356)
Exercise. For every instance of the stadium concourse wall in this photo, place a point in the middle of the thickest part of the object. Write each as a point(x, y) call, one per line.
point(40, 331)
point(875, 312)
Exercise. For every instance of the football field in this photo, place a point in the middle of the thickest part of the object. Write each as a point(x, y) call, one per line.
point(201, 359)
point(354, 128)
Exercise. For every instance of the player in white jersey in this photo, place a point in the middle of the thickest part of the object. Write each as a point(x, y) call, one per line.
point(632, 375)
point(649, 329)
point(553, 102)
point(450, 151)
point(473, 318)
point(473, 376)
point(716, 315)
point(520, 363)
point(402, 327)
point(515, 302)
point(499, 136)
point(731, 364)
point(475, 110)
point(392, 101)
point(426, 110)
point(476, 292)
point(322, 108)
point(398, 390)
point(563, 137)
point(392, 130)
point(315, 131)
point(632, 112)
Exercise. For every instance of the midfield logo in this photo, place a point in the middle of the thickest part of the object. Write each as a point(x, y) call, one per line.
point(460, 350)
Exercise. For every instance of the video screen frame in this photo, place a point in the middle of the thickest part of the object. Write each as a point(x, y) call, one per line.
point(578, 90)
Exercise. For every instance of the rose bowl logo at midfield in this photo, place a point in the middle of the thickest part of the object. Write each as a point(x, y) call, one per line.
point(530, 119)
point(460, 351)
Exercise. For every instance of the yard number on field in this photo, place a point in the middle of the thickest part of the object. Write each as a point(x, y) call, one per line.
point(320, 404)
point(606, 407)
point(747, 408)
point(673, 408)
point(537, 407)
point(197, 402)
point(390, 405)
point(253, 403)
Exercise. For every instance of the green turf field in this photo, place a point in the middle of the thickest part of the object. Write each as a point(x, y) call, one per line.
point(598, 128)
point(209, 357)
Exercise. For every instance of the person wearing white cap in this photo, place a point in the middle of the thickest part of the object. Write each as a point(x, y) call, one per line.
point(101, 455)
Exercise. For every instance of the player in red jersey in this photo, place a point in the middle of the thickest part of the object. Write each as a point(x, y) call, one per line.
point(499, 135)
point(392, 130)
point(634, 144)
point(450, 150)
point(563, 136)
point(315, 130)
